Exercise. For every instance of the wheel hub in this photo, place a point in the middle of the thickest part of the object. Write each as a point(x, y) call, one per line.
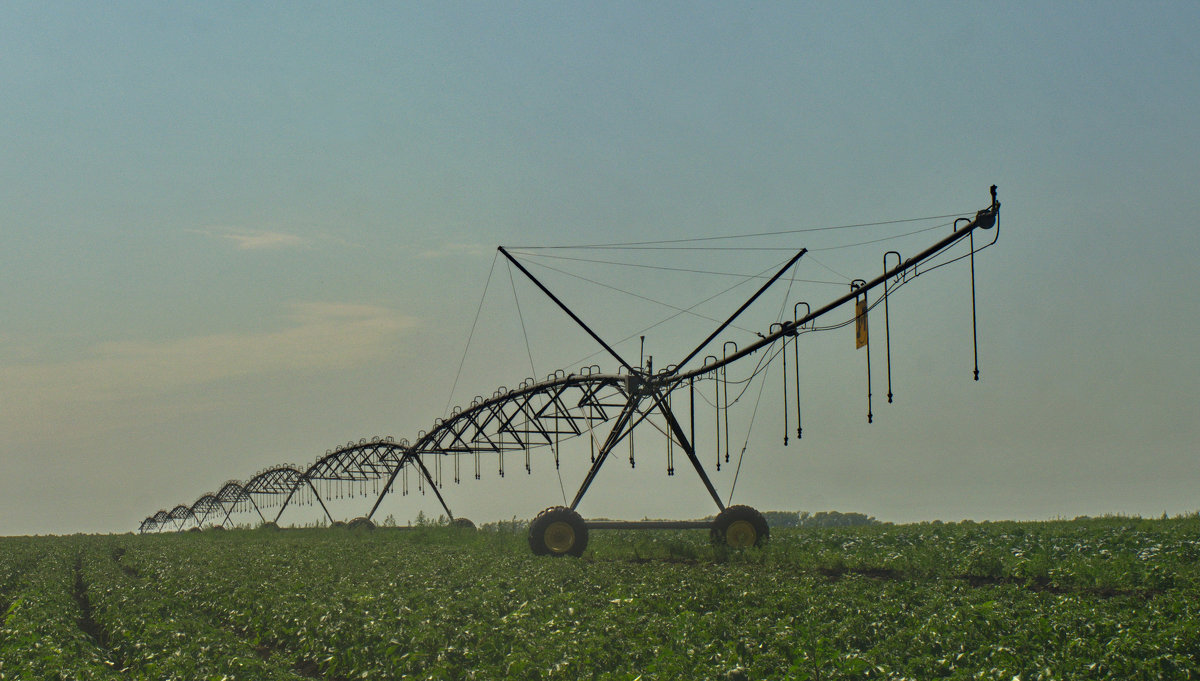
point(560, 537)
point(741, 534)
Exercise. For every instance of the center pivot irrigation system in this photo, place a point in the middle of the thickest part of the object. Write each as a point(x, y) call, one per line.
point(565, 405)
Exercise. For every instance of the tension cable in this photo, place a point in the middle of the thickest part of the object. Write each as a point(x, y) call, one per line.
point(749, 429)
point(471, 335)
point(802, 230)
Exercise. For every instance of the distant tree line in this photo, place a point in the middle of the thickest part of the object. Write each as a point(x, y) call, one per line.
point(818, 519)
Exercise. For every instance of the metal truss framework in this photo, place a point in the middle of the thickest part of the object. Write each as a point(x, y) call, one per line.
point(536, 414)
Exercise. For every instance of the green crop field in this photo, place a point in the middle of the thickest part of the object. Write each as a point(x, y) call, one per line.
point(1112, 598)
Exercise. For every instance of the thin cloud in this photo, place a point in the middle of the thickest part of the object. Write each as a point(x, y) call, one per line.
point(267, 241)
point(257, 240)
point(317, 337)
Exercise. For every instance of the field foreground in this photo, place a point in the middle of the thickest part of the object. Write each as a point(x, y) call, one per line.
point(1111, 598)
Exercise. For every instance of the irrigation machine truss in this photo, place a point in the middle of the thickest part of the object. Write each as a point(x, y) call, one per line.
point(540, 413)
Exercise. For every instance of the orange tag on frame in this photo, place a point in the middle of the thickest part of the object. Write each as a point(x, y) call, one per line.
point(860, 322)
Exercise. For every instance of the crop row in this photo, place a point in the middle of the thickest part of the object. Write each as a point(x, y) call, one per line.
point(157, 634)
point(46, 633)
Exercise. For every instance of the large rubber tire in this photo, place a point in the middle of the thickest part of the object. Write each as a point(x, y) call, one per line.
point(361, 523)
point(558, 531)
point(462, 523)
point(740, 527)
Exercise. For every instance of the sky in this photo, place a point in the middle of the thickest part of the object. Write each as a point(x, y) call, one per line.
point(237, 235)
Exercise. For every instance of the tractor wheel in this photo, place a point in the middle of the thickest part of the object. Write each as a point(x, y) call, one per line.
point(740, 527)
point(361, 523)
point(463, 523)
point(558, 531)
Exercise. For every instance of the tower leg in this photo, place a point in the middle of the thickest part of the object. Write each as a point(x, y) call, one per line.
point(618, 432)
point(687, 447)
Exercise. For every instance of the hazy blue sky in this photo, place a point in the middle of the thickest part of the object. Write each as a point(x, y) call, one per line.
point(235, 235)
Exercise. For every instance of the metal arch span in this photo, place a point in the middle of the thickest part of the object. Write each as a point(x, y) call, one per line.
point(357, 462)
point(537, 414)
point(279, 480)
point(205, 506)
point(534, 415)
point(180, 515)
point(233, 496)
point(364, 461)
point(232, 492)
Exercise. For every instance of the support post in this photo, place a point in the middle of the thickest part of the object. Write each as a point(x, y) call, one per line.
point(614, 437)
point(429, 479)
point(289, 499)
point(319, 501)
point(256, 509)
point(687, 447)
point(392, 478)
